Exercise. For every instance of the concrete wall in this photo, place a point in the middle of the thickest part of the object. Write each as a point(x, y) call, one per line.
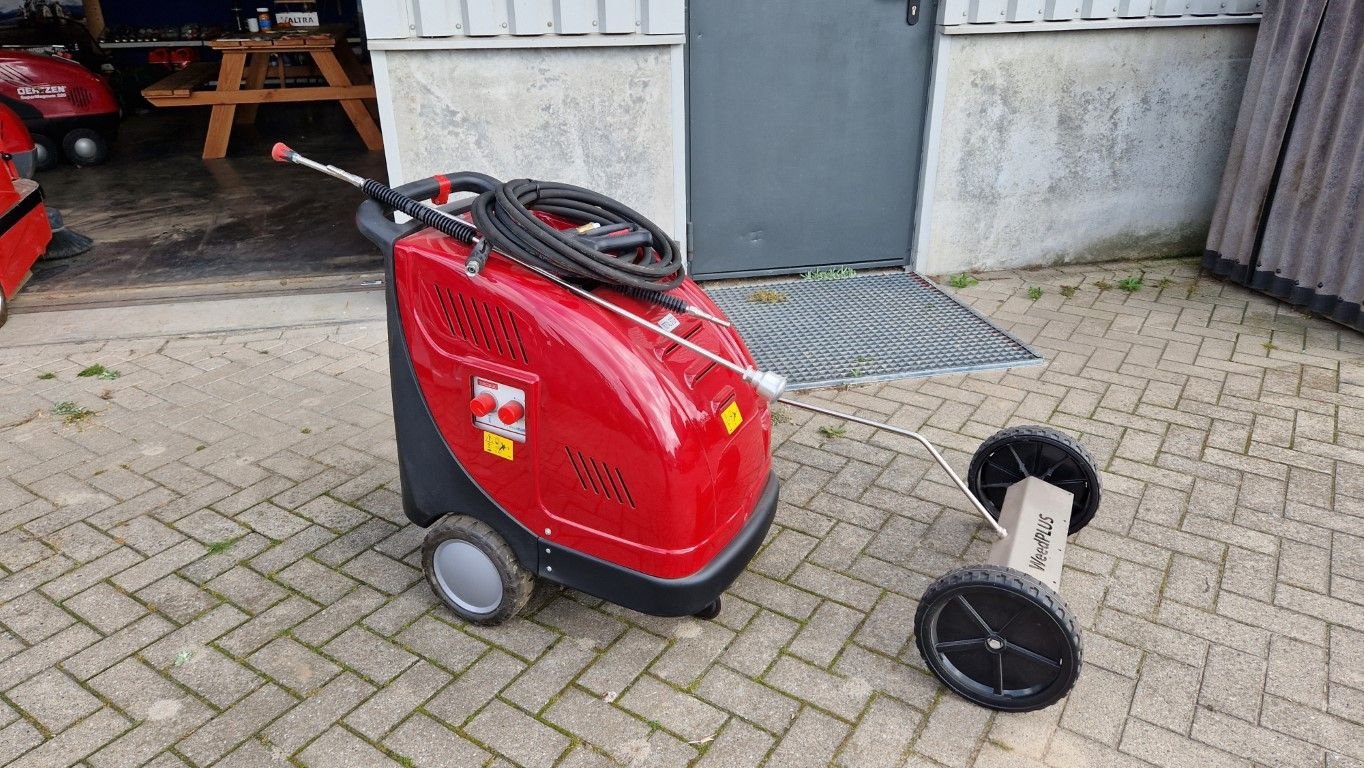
point(1078, 146)
point(600, 117)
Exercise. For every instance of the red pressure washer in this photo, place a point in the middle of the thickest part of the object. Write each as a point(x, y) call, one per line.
point(24, 229)
point(68, 109)
point(578, 411)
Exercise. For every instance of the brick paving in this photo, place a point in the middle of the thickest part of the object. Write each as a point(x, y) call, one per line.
point(214, 569)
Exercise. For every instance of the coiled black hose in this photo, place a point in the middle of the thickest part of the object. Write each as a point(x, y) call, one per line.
point(506, 218)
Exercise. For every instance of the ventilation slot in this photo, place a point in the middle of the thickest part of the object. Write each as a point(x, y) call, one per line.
point(79, 96)
point(698, 372)
point(486, 326)
point(687, 334)
point(600, 478)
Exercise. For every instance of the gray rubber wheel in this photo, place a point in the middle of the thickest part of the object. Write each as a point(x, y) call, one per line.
point(998, 637)
point(84, 147)
point(1042, 452)
point(46, 153)
point(473, 571)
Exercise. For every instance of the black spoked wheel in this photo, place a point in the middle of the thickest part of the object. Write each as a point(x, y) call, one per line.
point(999, 638)
point(1019, 452)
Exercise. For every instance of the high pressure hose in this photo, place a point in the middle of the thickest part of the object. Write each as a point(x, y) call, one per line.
point(616, 246)
point(506, 217)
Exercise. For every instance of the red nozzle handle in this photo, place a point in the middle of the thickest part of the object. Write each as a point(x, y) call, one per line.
point(281, 153)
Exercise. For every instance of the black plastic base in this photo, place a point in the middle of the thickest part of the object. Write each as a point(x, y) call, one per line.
point(663, 597)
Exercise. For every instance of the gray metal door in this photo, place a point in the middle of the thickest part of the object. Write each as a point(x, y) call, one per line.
point(806, 123)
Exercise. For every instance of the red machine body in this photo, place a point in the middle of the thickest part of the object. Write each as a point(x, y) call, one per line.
point(600, 437)
point(59, 100)
point(24, 230)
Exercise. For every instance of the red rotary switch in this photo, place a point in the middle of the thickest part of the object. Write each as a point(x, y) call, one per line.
point(511, 413)
point(483, 405)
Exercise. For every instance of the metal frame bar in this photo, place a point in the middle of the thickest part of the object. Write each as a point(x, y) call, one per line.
point(932, 451)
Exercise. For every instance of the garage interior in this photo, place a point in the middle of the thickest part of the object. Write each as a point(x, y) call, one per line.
point(167, 223)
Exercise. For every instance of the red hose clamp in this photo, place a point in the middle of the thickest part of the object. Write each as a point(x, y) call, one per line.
point(443, 196)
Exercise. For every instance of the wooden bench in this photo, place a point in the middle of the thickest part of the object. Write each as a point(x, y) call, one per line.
point(181, 84)
point(241, 77)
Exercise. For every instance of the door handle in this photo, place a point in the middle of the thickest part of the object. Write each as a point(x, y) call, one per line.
point(912, 12)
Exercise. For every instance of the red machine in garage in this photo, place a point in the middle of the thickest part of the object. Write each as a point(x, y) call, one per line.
point(24, 229)
point(70, 110)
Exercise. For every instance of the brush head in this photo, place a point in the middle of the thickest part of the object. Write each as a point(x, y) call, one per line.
point(282, 154)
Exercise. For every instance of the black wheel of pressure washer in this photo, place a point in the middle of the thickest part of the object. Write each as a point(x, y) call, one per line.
point(4, 307)
point(473, 571)
point(1018, 452)
point(46, 153)
point(999, 638)
point(711, 611)
point(84, 146)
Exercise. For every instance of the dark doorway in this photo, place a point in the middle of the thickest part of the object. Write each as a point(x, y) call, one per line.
point(168, 224)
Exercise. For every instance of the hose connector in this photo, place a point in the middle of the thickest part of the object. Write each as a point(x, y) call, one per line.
point(769, 384)
point(477, 258)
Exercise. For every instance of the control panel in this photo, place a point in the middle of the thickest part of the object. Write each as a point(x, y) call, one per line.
point(499, 408)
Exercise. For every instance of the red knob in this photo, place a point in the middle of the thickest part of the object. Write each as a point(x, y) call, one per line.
point(511, 413)
point(483, 405)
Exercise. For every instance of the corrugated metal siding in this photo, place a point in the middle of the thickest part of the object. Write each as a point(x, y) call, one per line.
point(1043, 15)
point(396, 19)
point(1290, 218)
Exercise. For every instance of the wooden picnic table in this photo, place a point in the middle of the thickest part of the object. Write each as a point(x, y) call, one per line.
point(247, 57)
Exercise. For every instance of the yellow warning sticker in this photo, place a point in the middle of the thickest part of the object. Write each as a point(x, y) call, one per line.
point(732, 417)
point(498, 445)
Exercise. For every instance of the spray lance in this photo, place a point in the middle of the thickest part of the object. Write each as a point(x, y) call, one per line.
point(587, 252)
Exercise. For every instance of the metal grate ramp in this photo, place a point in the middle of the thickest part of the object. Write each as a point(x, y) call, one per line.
point(820, 333)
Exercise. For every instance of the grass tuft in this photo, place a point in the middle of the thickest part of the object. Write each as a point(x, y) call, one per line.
point(832, 432)
point(72, 413)
point(767, 296)
point(219, 547)
point(45, 375)
point(1069, 290)
point(963, 280)
point(1131, 283)
point(829, 274)
point(1035, 292)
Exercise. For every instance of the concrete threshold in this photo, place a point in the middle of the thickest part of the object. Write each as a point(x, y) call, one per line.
point(192, 317)
point(202, 290)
